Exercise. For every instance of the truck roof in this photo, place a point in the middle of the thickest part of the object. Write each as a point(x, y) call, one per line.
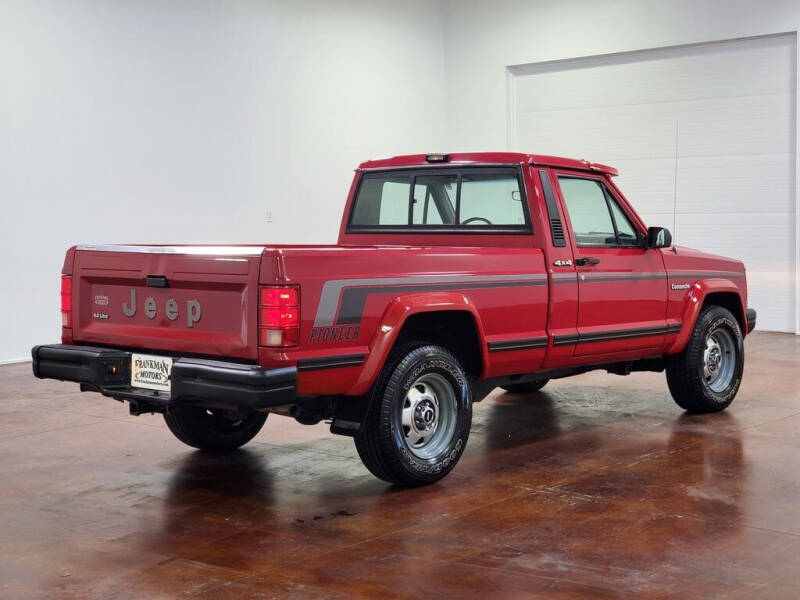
point(484, 158)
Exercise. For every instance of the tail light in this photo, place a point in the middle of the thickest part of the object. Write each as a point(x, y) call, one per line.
point(66, 301)
point(279, 316)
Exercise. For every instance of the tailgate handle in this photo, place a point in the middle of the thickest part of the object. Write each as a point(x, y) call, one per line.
point(158, 281)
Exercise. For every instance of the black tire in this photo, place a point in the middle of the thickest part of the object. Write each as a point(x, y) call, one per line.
point(688, 383)
point(213, 430)
point(529, 387)
point(383, 442)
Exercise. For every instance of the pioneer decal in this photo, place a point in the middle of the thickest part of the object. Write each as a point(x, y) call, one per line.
point(101, 300)
point(334, 334)
point(171, 309)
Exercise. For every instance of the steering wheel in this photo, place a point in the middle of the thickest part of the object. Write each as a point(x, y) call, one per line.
point(472, 219)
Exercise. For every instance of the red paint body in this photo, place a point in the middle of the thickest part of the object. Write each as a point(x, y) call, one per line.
point(226, 285)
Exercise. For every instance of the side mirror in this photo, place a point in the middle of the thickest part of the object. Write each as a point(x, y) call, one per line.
point(658, 237)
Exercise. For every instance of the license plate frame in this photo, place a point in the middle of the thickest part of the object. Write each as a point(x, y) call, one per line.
point(151, 372)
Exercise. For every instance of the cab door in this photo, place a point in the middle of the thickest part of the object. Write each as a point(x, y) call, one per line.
point(622, 285)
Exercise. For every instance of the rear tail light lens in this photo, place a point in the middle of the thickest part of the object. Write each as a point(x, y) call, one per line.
point(279, 316)
point(66, 301)
point(280, 296)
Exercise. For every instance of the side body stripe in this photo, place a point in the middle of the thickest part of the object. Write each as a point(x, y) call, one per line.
point(614, 334)
point(352, 293)
point(342, 300)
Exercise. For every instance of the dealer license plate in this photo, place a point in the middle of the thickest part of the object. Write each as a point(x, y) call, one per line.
point(151, 372)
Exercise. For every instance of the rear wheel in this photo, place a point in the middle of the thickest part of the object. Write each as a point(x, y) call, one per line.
point(212, 429)
point(419, 417)
point(529, 387)
point(706, 376)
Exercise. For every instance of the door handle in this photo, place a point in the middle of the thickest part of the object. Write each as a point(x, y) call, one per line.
point(588, 260)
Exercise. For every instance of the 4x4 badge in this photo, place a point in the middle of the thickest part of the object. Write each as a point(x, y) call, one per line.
point(563, 263)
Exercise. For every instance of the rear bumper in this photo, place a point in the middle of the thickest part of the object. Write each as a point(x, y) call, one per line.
point(750, 317)
point(209, 383)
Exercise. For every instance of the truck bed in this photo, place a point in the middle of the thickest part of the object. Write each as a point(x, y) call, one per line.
point(203, 300)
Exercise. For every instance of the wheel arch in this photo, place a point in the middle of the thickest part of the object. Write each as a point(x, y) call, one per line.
point(445, 318)
point(712, 292)
point(730, 300)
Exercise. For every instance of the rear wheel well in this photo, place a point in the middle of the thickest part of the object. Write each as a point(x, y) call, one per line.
point(454, 329)
point(730, 301)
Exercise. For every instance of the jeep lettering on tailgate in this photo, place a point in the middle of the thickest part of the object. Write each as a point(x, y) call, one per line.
point(193, 310)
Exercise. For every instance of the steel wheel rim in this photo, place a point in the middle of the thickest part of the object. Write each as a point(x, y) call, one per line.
point(428, 416)
point(719, 360)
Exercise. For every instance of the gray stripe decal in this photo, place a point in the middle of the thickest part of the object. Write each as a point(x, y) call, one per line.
point(594, 276)
point(610, 276)
point(351, 305)
point(559, 278)
point(332, 290)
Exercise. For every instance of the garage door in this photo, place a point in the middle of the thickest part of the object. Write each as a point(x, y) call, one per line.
point(703, 136)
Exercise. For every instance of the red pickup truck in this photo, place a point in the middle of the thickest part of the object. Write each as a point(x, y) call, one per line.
point(453, 274)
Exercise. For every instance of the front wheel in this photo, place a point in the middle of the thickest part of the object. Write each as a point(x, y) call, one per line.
point(419, 417)
point(706, 376)
point(211, 429)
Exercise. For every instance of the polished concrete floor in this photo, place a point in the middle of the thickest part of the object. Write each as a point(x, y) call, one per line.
point(596, 487)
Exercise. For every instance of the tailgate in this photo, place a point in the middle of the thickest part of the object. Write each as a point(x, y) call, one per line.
point(180, 299)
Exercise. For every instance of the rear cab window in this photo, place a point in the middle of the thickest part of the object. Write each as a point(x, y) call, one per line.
point(476, 199)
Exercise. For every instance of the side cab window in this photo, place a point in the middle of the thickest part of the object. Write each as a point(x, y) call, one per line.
point(597, 219)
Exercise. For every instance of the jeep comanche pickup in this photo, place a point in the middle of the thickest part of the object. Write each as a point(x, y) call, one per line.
point(453, 274)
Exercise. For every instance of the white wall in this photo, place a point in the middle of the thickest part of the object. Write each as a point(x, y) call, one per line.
point(185, 121)
point(484, 39)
